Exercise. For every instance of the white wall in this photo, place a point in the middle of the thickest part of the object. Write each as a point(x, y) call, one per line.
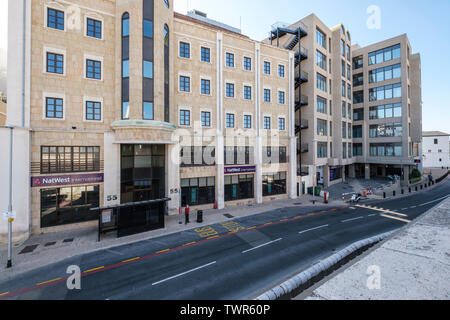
point(431, 153)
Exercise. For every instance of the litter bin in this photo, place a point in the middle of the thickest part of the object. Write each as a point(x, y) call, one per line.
point(199, 216)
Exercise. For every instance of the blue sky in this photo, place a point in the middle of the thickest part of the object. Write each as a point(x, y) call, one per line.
point(426, 22)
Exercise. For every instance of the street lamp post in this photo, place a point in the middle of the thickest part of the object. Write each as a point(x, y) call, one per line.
point(10, 207)
point(314, 171)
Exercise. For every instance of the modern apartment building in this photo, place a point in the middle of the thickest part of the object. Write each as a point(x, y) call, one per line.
point(360, 111)
point(127, 101)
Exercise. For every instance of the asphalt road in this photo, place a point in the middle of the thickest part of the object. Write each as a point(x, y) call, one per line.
point(233, 260)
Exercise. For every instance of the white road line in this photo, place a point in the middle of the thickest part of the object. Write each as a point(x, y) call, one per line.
point(443, 198)
point(403, 209)
point(324, 226)
point(263, 245)
point(343, 221)
point(413, 207)
point(182, 274)
point(372, 215)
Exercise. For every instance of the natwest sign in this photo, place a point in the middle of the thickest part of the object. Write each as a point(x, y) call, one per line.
point(51, 181)
point(240, 169)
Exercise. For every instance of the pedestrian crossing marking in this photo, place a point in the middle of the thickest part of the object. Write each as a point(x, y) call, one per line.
point(395, 218)
point(382, 210)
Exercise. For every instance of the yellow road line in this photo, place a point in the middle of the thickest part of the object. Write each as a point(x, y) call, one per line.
point(129, 260)
point(284, 220)
point(188, 244)
point(210, 238)
point(94, 269)
point(3, 294)
point(251, 228)
point(48, 281)
point(268, 223)
point(163, 251)
point(395, 218)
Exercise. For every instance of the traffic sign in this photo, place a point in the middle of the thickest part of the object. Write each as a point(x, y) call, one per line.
point(9, 215)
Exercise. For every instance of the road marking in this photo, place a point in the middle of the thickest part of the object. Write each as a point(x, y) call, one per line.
point(413, 207)
point(3, 294)
point(129, 260)
point(284, 220)
point(403, 209)
point(49, 281)
point(162, 251)
point(348, 220)
point(443, 198)
point(210, 238)
point(206, 232)
point(372, 215)
point(184, 273)
point(268, 223)
point(189, 244)
point(94, 269)
point(263, 245)
point(382, 210)
point(395, 218)
point(251, 228)
point(324, 226)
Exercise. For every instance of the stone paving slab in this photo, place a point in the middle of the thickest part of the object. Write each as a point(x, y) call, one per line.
point(413, 265)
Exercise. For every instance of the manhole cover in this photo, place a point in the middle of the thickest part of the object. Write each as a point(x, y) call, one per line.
point(29, 249)
point(68, 240)
point(229, 216)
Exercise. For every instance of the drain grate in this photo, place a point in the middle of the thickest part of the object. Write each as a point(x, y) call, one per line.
point(49, 244)
point(229, 216)
point(29, 249)
point(68, 240)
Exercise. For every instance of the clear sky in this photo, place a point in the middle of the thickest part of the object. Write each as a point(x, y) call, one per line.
point(426, 23)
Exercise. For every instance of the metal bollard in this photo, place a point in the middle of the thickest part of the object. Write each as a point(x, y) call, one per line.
point(403, 191)
point(384, 195)
point(394, 193)
point(409, 189)
point(199, 216)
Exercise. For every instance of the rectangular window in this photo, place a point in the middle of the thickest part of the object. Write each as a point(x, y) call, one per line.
point(125, 68)
point(198, 191)
point(230, 60)
point(321, 82)
point(386, 73)
point(148, 28)
point(55, 19)
point(247, 93)
point(94, 28)
point(229, 120)
point(358, 114)
point(206, 54)
point(148, 111)
point(358, 97)
point(386, 92)
point(247, 121)
point(239, 187)
point(206, 86)
point(266, 123)
point(55, 63)
point(321, 105)
point(321, 60)
point(274, 184)
point(387, 54)
point(342, 48)
point(54, 108)
point(58, 159)
point(125, 110)
point(358, 62)
point(322, 150)
point(206, 119)
point(266, 67)
point(281, 124)
point(93, 69)
point(343, 89)
point(322, 126)
point(93, 111)
point(267, 95)
point(185, 118)
point(344, 130)
point(344, 150)
point(321, 39)
point(357, 132)
point(344, 112)
point(247, 64)
point(281, 71)
point(148, 69)
point(281, 97)
point(185, 51)
point(230, 90)
point(185, 84)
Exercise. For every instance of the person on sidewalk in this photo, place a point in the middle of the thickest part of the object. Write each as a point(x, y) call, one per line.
point(186, 214)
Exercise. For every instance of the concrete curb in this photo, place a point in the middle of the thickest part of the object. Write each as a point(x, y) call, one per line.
point(303, 277)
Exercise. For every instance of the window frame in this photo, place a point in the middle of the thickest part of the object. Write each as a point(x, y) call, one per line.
point(87, 99)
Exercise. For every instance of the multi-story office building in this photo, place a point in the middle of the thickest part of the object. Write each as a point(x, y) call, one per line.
point(120, 101)
point(126, 101)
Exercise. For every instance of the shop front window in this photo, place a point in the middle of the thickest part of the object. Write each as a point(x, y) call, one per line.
point(239, 187)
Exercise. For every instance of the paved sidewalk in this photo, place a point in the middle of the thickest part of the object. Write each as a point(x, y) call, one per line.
point(413, 265)
point(53, 247)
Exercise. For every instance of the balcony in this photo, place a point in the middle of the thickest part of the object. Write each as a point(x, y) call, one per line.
point(304, 124)
point(301, 79)
point(303, 102)
point(303, 171)
point(303, 55)
point(302, 148)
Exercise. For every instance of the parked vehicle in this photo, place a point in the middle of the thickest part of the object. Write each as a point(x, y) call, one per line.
point(356, 197)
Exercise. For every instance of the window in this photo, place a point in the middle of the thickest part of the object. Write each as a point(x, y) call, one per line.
point(197, 156)
point(281, 124)
point(344, 130)
point(166, 3)
point(206, 119)
point(247, 64)
point(358, 97)
point(229, 120)
point(386, 73)
point(343, 68)
point(348, 72)
point(281, 71)
point(331, 131)
point(148, 69)
point(343, 89)
point(239, 187)
point(93, 69)
point(55, 63)
point(386, 130)
point(247, 121)
point(348, 52)
point(281, 97)
point(185, 50)
point(358, 114)
point(344, 113)
point(321, 82)
point(386, 150)
point(55, 19)
point(266, 95)
point(185, 84)
point(435, 141)
point(94, 28)
point(344, 150)
point(386, 111)
point(54, 108)
point(206, 54)
point(358, 62)
point(349, 131)
point(205, 86)
point(321, 105)
point(349, 91)
point(247, 93)
point(93, 111)
point(321, 39)
point(384, 55)
point(125, 110)
point(198, 191)
point(62, 206)
point(147, 111)
point(185, 118)
point(230, 60)
point(358, 80)
point(266, 123)
point(125, 25)
point(342, 48)
point(321, 60)
point(266, 67)
point(349, 112)
point(386, 92)
point(125, 69)
point(230, 90)
point(273, 155)
point(148, 28)
point(357, 149)
point(274, 184)
point(322, 150)
point(322, 126)
point(357, 132)
point(60, 159)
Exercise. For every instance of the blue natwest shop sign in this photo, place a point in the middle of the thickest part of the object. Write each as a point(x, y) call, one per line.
point(240, 169)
